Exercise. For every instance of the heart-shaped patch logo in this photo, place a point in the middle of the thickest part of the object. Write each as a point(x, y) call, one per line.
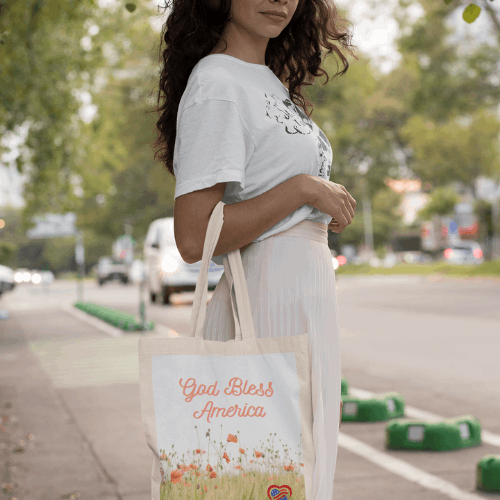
point(275, 492)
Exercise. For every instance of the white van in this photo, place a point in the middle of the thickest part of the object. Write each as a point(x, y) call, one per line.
point(166, 271)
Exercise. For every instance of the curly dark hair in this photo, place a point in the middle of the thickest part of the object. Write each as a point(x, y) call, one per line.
point(193, 29)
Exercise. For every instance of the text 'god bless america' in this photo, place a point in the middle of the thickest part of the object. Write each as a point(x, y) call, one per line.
point(235, 388)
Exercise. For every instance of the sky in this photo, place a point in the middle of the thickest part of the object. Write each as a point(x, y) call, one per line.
point(373, 33)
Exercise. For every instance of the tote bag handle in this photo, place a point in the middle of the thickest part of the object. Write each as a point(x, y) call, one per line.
point(235, 274)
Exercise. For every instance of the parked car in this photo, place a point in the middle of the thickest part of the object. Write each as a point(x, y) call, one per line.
point(109, 270)
point(166, 271)
point(464, 252)
point(38, 277)
point(7, 281)
point(414, 257)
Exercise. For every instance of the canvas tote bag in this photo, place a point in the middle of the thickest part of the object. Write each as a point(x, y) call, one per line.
point(227, 420)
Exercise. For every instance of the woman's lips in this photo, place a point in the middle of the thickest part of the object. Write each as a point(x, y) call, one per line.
point(275, 17)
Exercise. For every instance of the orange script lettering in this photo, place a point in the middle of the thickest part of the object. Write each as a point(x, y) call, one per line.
point(190, 389)
point(235, 388)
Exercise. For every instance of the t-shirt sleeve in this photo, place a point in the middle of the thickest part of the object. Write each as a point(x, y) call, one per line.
point(212, 145)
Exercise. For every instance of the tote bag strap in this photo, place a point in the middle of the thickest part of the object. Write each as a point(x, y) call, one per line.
point(243, 319)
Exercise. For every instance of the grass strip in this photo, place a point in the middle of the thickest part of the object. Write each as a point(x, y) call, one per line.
point(119, 319)
point(490, 268)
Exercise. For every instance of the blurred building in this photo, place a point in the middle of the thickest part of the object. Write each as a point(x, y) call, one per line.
point(11, 181)
point(11, 186)
point(413, 197)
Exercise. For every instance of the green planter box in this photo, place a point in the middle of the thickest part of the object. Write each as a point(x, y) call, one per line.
point(119, 319)
point(344, 387)
point(378, 408)
point(448, 434)
point(488, 473)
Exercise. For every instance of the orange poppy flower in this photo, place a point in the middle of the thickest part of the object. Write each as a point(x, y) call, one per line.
point(232, 439)
point(237, 466)
point(225, 457)
point(205, 489)
point(213, 475)
point(175, 476)
point(302, 465)
point(258, 454)
point(209, 468)
point(251, 461)
point(242, 450)
point(198, 451)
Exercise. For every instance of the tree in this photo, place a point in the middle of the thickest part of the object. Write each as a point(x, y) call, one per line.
point(7, 250)
point(441, 202)
point(386, 216)
point(453, 151)
point(44, 66)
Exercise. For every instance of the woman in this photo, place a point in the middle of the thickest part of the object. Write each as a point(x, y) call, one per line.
point(231, 130)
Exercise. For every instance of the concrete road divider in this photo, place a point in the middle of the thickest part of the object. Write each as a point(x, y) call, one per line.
point(449, 434)
point(488, 474)
point(378, 408)
point(344, 387)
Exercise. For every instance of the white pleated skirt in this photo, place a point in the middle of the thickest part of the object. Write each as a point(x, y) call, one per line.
point(292, 289)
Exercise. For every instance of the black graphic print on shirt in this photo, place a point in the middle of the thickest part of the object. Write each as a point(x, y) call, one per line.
point(325, 155)
point(297, 122)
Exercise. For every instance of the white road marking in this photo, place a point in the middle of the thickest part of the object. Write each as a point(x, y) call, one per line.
point(412, 412)
point(404, 469)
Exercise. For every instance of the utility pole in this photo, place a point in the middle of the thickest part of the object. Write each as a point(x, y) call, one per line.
point(80, 262)
point(363, 168)
point(128, 228)
point(142, 303)
point(495, 216)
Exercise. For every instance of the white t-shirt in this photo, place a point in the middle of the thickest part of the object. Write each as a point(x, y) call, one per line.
point(237, 124)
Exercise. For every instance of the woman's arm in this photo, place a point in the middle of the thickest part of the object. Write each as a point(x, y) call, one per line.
point(243, 221)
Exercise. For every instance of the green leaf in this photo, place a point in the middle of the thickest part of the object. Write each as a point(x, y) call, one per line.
point(130, 7)
point(471, 13)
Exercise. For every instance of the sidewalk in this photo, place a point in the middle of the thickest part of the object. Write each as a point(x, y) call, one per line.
point(69, 430)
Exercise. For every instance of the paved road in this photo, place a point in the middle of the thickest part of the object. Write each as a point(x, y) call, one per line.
point(74, 388)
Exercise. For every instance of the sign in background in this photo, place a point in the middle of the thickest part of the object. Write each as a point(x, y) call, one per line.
point(53, 226)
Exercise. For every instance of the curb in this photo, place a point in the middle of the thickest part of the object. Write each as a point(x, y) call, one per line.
point(110, 330)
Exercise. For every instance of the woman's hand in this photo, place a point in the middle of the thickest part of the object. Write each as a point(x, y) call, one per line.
point(332, 199)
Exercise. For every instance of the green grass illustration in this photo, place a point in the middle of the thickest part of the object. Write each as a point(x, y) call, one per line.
point(228, 471)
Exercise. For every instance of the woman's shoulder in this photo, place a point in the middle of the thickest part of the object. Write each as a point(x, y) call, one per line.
point(215, 80)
